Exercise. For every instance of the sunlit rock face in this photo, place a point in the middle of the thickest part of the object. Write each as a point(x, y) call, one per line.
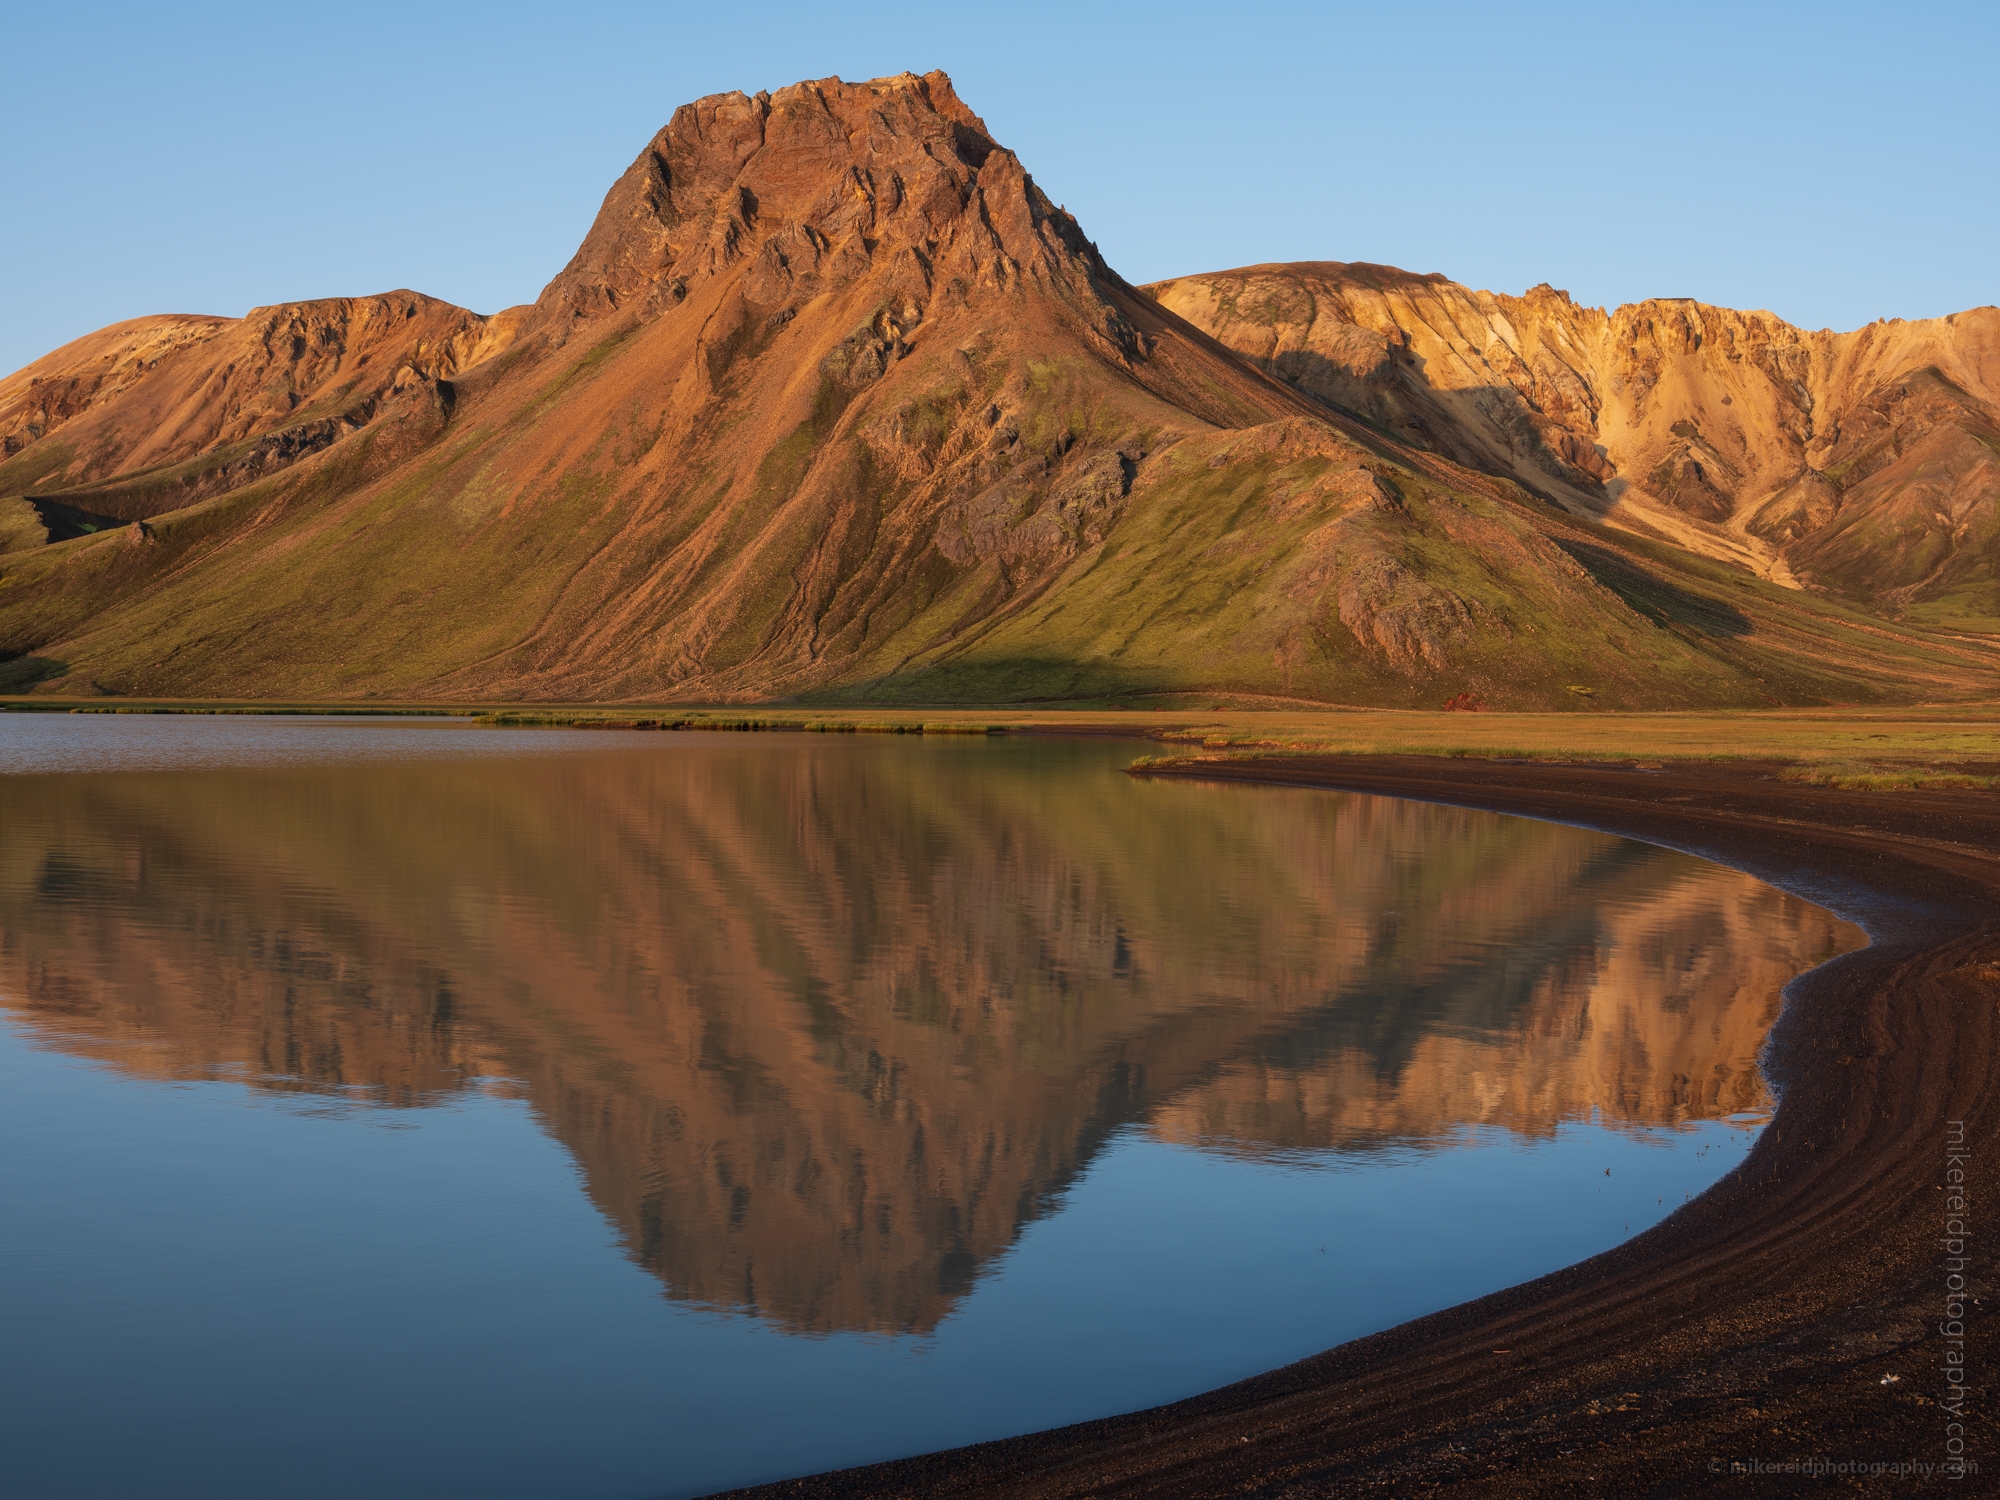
point(1859, 463)
point(825, 1024)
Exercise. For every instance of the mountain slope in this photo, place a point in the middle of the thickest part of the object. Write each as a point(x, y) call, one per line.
point(1864, 464)
point(151, 415)
point(833, 402)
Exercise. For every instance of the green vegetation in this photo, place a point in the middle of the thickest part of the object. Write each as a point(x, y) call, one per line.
point(1856, 776)
point(21, 525)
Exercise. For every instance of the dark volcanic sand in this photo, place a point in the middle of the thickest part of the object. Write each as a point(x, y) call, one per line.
point(1755, 1325)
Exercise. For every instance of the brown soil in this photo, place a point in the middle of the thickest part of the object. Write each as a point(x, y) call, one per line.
point(1790, 1314)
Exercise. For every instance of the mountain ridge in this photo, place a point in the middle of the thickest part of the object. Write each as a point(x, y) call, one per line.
point(1637, 415)
point(833, 403)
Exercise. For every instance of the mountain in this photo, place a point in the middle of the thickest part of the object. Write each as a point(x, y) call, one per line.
point(151, 415)
point(1862, 464)
point(833, 404)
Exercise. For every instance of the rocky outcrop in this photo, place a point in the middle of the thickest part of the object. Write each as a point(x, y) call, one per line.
point(1862, 463)
point(91, 371)
point(813, 189)
point(164, 411)
point(1903, 505)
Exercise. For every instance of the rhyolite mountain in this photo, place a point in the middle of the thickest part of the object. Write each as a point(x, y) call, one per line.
point(1864, 464)
point(833, 404)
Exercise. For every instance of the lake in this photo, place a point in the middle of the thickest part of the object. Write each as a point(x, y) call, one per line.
point(419, 1109)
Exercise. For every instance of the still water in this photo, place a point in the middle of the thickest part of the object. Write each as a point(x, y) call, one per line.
point(425, 1110)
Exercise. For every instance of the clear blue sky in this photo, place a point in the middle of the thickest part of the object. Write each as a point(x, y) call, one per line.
point(1832, 163)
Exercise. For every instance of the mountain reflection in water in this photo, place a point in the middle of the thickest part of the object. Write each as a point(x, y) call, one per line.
point(825, 1022)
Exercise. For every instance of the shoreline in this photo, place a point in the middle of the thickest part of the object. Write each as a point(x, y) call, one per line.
point(1789, 1315)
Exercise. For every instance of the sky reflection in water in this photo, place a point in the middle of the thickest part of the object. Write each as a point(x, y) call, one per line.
point(434, 1110)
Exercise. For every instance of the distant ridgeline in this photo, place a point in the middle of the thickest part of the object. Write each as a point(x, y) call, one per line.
point(833, 404)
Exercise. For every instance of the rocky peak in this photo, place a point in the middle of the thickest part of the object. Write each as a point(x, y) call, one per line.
point(818, 184)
